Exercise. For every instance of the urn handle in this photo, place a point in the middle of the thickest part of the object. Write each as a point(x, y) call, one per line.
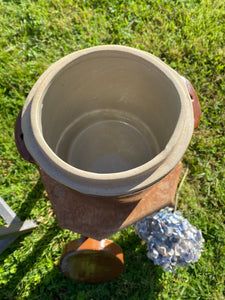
point(195, 101)
point(20, 141)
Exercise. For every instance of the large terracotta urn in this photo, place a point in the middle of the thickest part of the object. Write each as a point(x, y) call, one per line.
point(107, 127)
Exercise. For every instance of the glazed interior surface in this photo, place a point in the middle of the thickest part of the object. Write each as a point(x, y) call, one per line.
point(109, 112)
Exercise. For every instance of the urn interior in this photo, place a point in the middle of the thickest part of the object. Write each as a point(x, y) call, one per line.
point(109, 112)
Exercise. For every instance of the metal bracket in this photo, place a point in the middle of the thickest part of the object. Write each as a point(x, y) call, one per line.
point(15, 227)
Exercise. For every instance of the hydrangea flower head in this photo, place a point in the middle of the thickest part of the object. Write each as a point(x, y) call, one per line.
point(171, 240)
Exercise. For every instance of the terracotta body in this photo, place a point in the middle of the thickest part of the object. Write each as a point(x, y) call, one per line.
point(100, 217)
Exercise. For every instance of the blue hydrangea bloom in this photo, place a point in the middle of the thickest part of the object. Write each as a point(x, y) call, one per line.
point(171, 240)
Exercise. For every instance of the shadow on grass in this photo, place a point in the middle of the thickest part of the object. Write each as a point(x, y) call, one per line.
point(32, 198)
point(26, 265)
point(140, 280)
point(8, 292)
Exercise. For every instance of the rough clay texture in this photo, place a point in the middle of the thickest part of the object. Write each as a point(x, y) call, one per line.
point(100, 217)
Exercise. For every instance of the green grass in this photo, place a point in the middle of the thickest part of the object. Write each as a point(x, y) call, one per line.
point(190, 37)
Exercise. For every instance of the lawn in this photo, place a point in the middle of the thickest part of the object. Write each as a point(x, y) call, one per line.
point(187, 35)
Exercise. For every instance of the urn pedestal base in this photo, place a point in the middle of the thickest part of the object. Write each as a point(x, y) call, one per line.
point(91, 261)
